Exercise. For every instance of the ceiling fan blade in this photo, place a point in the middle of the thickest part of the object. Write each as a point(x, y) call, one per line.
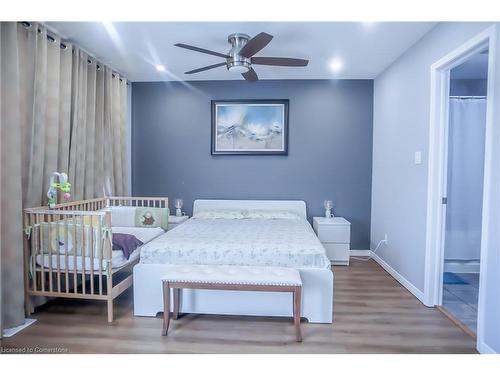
point(255, 44)
point(279, 61)
point(250, 75)
point(202, 50)
point(205, 68)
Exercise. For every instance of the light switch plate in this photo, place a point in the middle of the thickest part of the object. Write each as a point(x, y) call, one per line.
point(418, 157)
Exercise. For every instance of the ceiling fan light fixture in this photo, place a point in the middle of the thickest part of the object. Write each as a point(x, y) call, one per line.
point(240, 58)
point(238, 69)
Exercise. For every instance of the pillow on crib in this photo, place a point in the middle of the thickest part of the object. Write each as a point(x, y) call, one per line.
point(271, 214)
point(220, 214)
point(151, 217)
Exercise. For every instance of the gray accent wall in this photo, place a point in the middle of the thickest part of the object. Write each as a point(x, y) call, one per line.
point(329, 154)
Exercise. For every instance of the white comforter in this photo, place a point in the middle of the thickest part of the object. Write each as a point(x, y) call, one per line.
point(256, 242)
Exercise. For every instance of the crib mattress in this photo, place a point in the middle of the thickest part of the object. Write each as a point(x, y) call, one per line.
point(118, 260)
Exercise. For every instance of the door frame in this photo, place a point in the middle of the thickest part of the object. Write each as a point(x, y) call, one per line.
point(436, 188)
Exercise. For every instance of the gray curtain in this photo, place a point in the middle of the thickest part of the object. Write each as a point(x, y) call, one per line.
point(59, 112)
point(98, 159)
point(44, 81)
point(11, 258)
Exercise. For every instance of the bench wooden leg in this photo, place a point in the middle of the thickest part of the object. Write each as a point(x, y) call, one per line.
point(166, 308)
point(296, 312)
point(176, 292)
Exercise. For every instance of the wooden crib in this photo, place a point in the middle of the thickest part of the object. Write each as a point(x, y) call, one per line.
point(68, 251)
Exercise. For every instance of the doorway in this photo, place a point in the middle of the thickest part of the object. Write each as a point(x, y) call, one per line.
point(463, 201)
point(438, 209)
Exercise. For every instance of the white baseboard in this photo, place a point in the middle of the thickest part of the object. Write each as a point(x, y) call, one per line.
point(461, 266)
point(484, 349)
point(9, 332)
point(411, 288)
point(360, 253)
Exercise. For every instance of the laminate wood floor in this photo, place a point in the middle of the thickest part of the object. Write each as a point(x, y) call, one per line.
point(373, 313)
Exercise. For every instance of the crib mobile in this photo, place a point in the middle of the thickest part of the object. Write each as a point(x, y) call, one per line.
point(63, 185)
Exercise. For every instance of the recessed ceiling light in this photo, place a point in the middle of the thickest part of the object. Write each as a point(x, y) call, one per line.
point(336, 65)
point(160, 68)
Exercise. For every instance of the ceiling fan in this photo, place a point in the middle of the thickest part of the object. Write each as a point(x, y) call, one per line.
point(240, 57)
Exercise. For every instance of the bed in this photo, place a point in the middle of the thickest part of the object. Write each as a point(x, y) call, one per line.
point(285, 240)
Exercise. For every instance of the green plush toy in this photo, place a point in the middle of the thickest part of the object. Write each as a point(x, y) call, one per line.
point(63, 185)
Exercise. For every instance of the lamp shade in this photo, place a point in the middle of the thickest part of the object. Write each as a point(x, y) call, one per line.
point(178, 203)
point(328, 204)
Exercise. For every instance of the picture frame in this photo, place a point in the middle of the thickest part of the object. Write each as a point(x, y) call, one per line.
point(250, 127)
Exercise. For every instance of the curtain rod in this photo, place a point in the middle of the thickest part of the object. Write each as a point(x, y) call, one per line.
point(467, 97)
point(62, 45)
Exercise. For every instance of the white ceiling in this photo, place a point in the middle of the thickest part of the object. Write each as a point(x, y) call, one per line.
point(135, 48)
point(475, 67)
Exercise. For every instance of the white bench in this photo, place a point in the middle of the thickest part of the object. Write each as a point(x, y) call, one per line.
point(241, 278)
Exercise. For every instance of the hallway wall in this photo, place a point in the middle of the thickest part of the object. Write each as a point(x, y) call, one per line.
point(399, 193)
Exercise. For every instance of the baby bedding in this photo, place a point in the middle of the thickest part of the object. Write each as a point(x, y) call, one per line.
point(118, 259)
point(127, 243)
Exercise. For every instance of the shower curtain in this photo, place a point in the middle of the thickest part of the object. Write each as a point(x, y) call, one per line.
point(465, 178)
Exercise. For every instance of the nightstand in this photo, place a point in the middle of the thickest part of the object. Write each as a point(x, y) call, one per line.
point(174, 221)
point(335, 235)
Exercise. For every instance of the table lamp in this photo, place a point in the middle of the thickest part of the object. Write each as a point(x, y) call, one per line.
point(178, 205)
point(328, 208)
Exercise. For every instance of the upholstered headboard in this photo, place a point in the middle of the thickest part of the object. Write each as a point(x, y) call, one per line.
point(298, 207)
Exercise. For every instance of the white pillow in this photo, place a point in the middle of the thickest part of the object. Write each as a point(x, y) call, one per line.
point(271, 214)
point(220, 214)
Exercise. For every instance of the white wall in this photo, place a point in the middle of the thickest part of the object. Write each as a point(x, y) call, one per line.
point(399, 187)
